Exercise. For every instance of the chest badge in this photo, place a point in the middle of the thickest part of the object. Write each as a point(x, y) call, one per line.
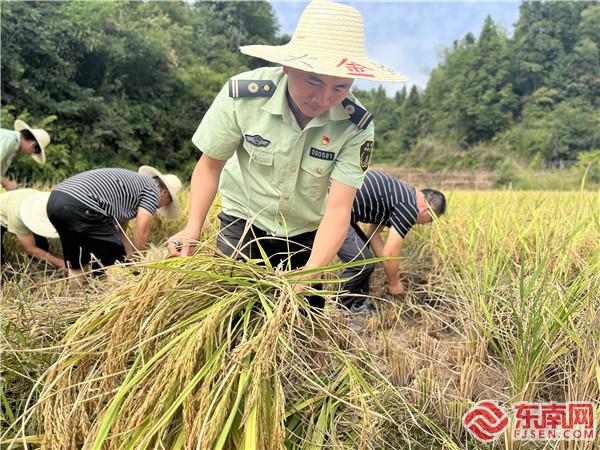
point(257, 140)
point(325, 140)
point(321, 154)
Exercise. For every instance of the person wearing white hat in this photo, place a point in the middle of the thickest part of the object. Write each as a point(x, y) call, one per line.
point(301, 143)
point(91, 210)
point(23, 213)
point(24, 140)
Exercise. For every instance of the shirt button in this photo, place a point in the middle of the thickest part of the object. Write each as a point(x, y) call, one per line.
point(319, 170)
point(279, 222)
point(286, 197)
point(293, 169)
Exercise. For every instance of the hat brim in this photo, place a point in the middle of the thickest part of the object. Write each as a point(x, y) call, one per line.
point(40, 157)
point(172, 209)
point(325, 63)
point(34, 216)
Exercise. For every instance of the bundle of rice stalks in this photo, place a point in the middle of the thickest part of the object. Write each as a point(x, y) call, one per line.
point(210, 353)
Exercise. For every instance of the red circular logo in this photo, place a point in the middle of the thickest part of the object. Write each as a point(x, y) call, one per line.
point(485, 421)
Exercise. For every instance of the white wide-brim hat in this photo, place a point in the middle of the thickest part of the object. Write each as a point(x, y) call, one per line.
point(329, 40)
point(173, 185)
point(41, 137)
point(34, 215)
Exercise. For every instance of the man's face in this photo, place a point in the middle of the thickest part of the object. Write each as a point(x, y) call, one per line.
point(425, 216)
point(165, 198)
point(313, 94)
point(28, 147)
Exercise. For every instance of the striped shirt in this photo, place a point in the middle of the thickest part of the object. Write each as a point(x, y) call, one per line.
point(382, 199)
point(116, 193)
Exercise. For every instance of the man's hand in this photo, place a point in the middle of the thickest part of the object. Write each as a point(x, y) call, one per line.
point(182, 243)
point(397, 288)
point(8, 185)
point(298, 285)
point(63, 268)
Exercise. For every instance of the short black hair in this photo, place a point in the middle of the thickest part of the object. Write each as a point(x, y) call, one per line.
point(160, 183)
point(27, 135)
point(436, 200)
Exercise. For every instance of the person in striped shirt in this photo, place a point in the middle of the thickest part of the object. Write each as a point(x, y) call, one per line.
point(383, 202)
point(91, 211)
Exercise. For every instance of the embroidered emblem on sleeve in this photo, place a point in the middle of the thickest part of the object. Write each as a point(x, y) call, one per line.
point(365, 154)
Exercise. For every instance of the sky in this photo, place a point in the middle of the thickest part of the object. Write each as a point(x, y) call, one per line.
point(409, 35)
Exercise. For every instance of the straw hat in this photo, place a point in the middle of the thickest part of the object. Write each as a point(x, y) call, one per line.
point(34, 216)
point(173, 186)
point(41, 137)
point(329, 40)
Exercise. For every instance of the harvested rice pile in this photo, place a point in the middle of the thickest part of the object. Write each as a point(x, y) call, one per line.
point(209, 353)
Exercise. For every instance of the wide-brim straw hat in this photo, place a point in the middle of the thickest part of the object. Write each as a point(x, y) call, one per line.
point(173, 185)
point(329, 40)
point(34, 216)
point(41, 137)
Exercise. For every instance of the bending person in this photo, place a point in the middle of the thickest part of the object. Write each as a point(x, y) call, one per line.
point(91, 211)
point(383, 202)
point(295, 130)
point(23, 141)
point(23, 213)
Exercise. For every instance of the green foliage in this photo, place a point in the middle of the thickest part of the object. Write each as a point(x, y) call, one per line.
point(589, 163)
point(506, 173)
point(126, 83)
point(121, 83)
point(532, 97)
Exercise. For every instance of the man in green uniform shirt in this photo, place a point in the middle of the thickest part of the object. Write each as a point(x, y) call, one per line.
point(23, 141)
point(301, 142)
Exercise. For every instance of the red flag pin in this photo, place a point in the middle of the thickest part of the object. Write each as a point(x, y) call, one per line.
point(325, 140)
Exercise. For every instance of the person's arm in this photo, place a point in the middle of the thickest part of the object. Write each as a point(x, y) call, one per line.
point(7, 184)
point(205, 182)
point(28, 244)
point(141, 232)
point(334, 226)
point(392, 248)
point(375, 240)
point(122, 230)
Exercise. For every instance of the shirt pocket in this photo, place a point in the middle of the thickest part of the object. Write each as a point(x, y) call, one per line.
point(259, 163)
point(314, 176)
point(261, 158)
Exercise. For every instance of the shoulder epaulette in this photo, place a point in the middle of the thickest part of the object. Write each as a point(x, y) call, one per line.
point(251, 88)
point(360, 116)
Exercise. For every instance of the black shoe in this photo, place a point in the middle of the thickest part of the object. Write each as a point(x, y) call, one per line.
point(364, 308)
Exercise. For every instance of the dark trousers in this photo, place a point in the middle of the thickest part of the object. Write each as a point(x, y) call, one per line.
point(83, 232)
point(238, 240)
point(355, 249)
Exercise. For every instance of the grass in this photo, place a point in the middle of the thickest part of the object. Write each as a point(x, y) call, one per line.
point(503, 304)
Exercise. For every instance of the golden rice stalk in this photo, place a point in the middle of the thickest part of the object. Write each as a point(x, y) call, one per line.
point(210, 353)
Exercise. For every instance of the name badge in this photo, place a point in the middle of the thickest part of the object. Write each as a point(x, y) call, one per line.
point(321, 154)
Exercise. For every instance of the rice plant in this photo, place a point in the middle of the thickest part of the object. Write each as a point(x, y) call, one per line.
point(211, 353)
point(503, 303)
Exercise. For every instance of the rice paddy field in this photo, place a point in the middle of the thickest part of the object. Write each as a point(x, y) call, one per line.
point(503, 303)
